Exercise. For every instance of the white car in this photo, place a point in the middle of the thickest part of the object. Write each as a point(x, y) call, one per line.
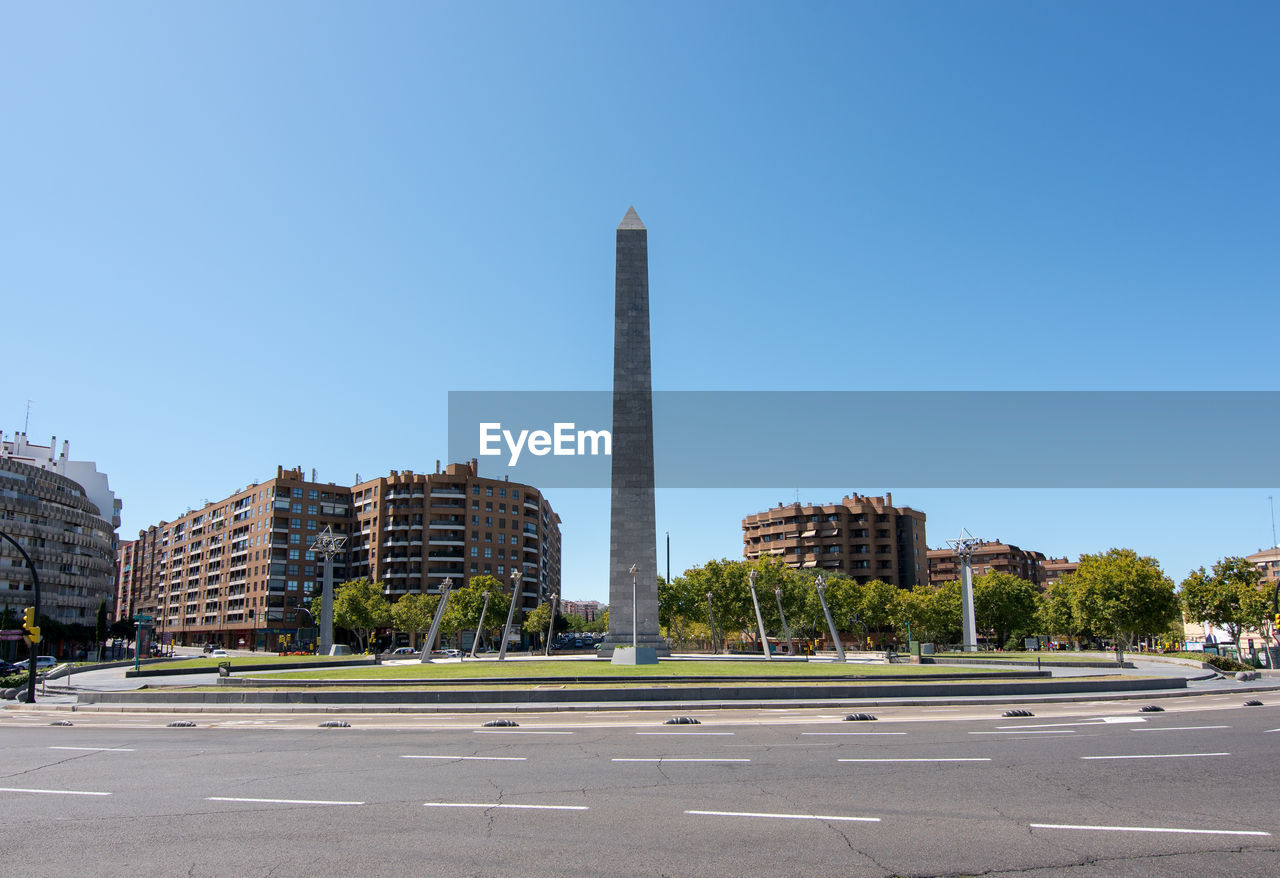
point(219, 653)
point(404, 650)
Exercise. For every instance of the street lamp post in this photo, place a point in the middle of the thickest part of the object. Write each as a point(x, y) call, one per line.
point(435, 621)
point(551, 626)
point(963, 548)
point(711, 620)
point(786, 629)
point(484, 609)
point(635, 631)
point(327, 545)
point(35, 582)
point(831, 626)
point(755, 601)
point(511, 612)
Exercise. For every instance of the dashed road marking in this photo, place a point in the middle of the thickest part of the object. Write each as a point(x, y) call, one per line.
point(1147, 829)
point(52, 792)
point(1157, 756)
point(99, 749)
point(471, 758)
point(945, 759)
point(784, 816)
point(504, 805)
point(1179, 729)
point(851, 734)
point(676, 759)
point(279, 801)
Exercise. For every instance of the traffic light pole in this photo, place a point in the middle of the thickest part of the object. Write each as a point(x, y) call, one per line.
point(35, 581)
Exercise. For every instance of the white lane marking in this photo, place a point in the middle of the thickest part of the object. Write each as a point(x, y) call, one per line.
point(496, 805)
point(1146, 829)
point(850, 734)
point(1031, 732)
point(279, 801)
point(52, 792)
point(962, 759)
point(99, 749)
point(516, 732)
point(1157, 756)
point(473, 758)
point(1179, 729)
point(785, 816)
point(678, 759)
point(684, 733)
point(1106, 720)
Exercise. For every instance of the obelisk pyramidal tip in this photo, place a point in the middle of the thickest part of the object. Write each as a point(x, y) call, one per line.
point(631, 220)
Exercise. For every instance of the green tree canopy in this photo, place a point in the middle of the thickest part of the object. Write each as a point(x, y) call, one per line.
point(412, 614)
point(1231, 597)
point(1004, 603)
point(360, 607)
point(463, 611)
point(1122, 594)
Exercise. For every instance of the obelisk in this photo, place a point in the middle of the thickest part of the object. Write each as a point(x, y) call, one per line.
point(632, 521)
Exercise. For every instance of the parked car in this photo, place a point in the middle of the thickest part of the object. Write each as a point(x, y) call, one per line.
point(219, 653)
point(404, 650)
point(453, 653)
point(44, 662)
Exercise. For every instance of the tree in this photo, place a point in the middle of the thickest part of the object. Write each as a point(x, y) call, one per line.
point(536, 622)
point(1056, 611)
point(360, 607)
point(599, 625)
point(413, 613)
point(465, 603)
point(1122, 594)
point(933, 611)
point(1230, 598)
point(876, 605)
point(100, 632)
point(1004, 603)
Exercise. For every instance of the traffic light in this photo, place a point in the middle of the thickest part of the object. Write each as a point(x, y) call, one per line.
point(29, 623)
point(1276, 622)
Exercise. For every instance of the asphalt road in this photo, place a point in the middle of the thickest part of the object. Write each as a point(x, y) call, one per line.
point(1076, 790)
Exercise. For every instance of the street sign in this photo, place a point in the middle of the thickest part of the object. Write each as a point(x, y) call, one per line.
point(12, 634)
point(141, 618)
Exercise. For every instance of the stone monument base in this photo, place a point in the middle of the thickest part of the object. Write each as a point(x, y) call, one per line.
point(640, 655)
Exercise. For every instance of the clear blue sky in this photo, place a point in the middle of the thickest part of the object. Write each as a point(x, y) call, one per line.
point(216, 217)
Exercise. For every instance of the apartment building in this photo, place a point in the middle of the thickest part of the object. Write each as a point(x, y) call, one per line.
point(70, 542)
point(235, 572)
point(589, 610)
point(1268, 563)
point(864, 537)
point(415, 530)
point(988, 557)
point(240, 572)
point(1056, 568)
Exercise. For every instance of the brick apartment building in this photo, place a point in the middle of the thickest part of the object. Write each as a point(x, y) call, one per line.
point(240, 572)
point(863, 537)
point(414, 530)
point(989, 557)
point(589, 610)
point(1056, 568)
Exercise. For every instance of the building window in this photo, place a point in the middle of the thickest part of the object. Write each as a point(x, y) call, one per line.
point(488, 492)
point(501, 570)
point(297, 493)
point(295, 522)
point(313, 494)
point(475, 551)
point(293, 554)
point(311, 524)
point(502, 492)
point(296, 509)
point(488, 553)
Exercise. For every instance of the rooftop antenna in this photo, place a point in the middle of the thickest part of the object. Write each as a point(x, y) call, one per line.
point(26, 424)
point(1272, 501)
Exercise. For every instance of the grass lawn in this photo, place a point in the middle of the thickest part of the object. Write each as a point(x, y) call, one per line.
point(263, 659)
point(604, 670)
point(1050, 656)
